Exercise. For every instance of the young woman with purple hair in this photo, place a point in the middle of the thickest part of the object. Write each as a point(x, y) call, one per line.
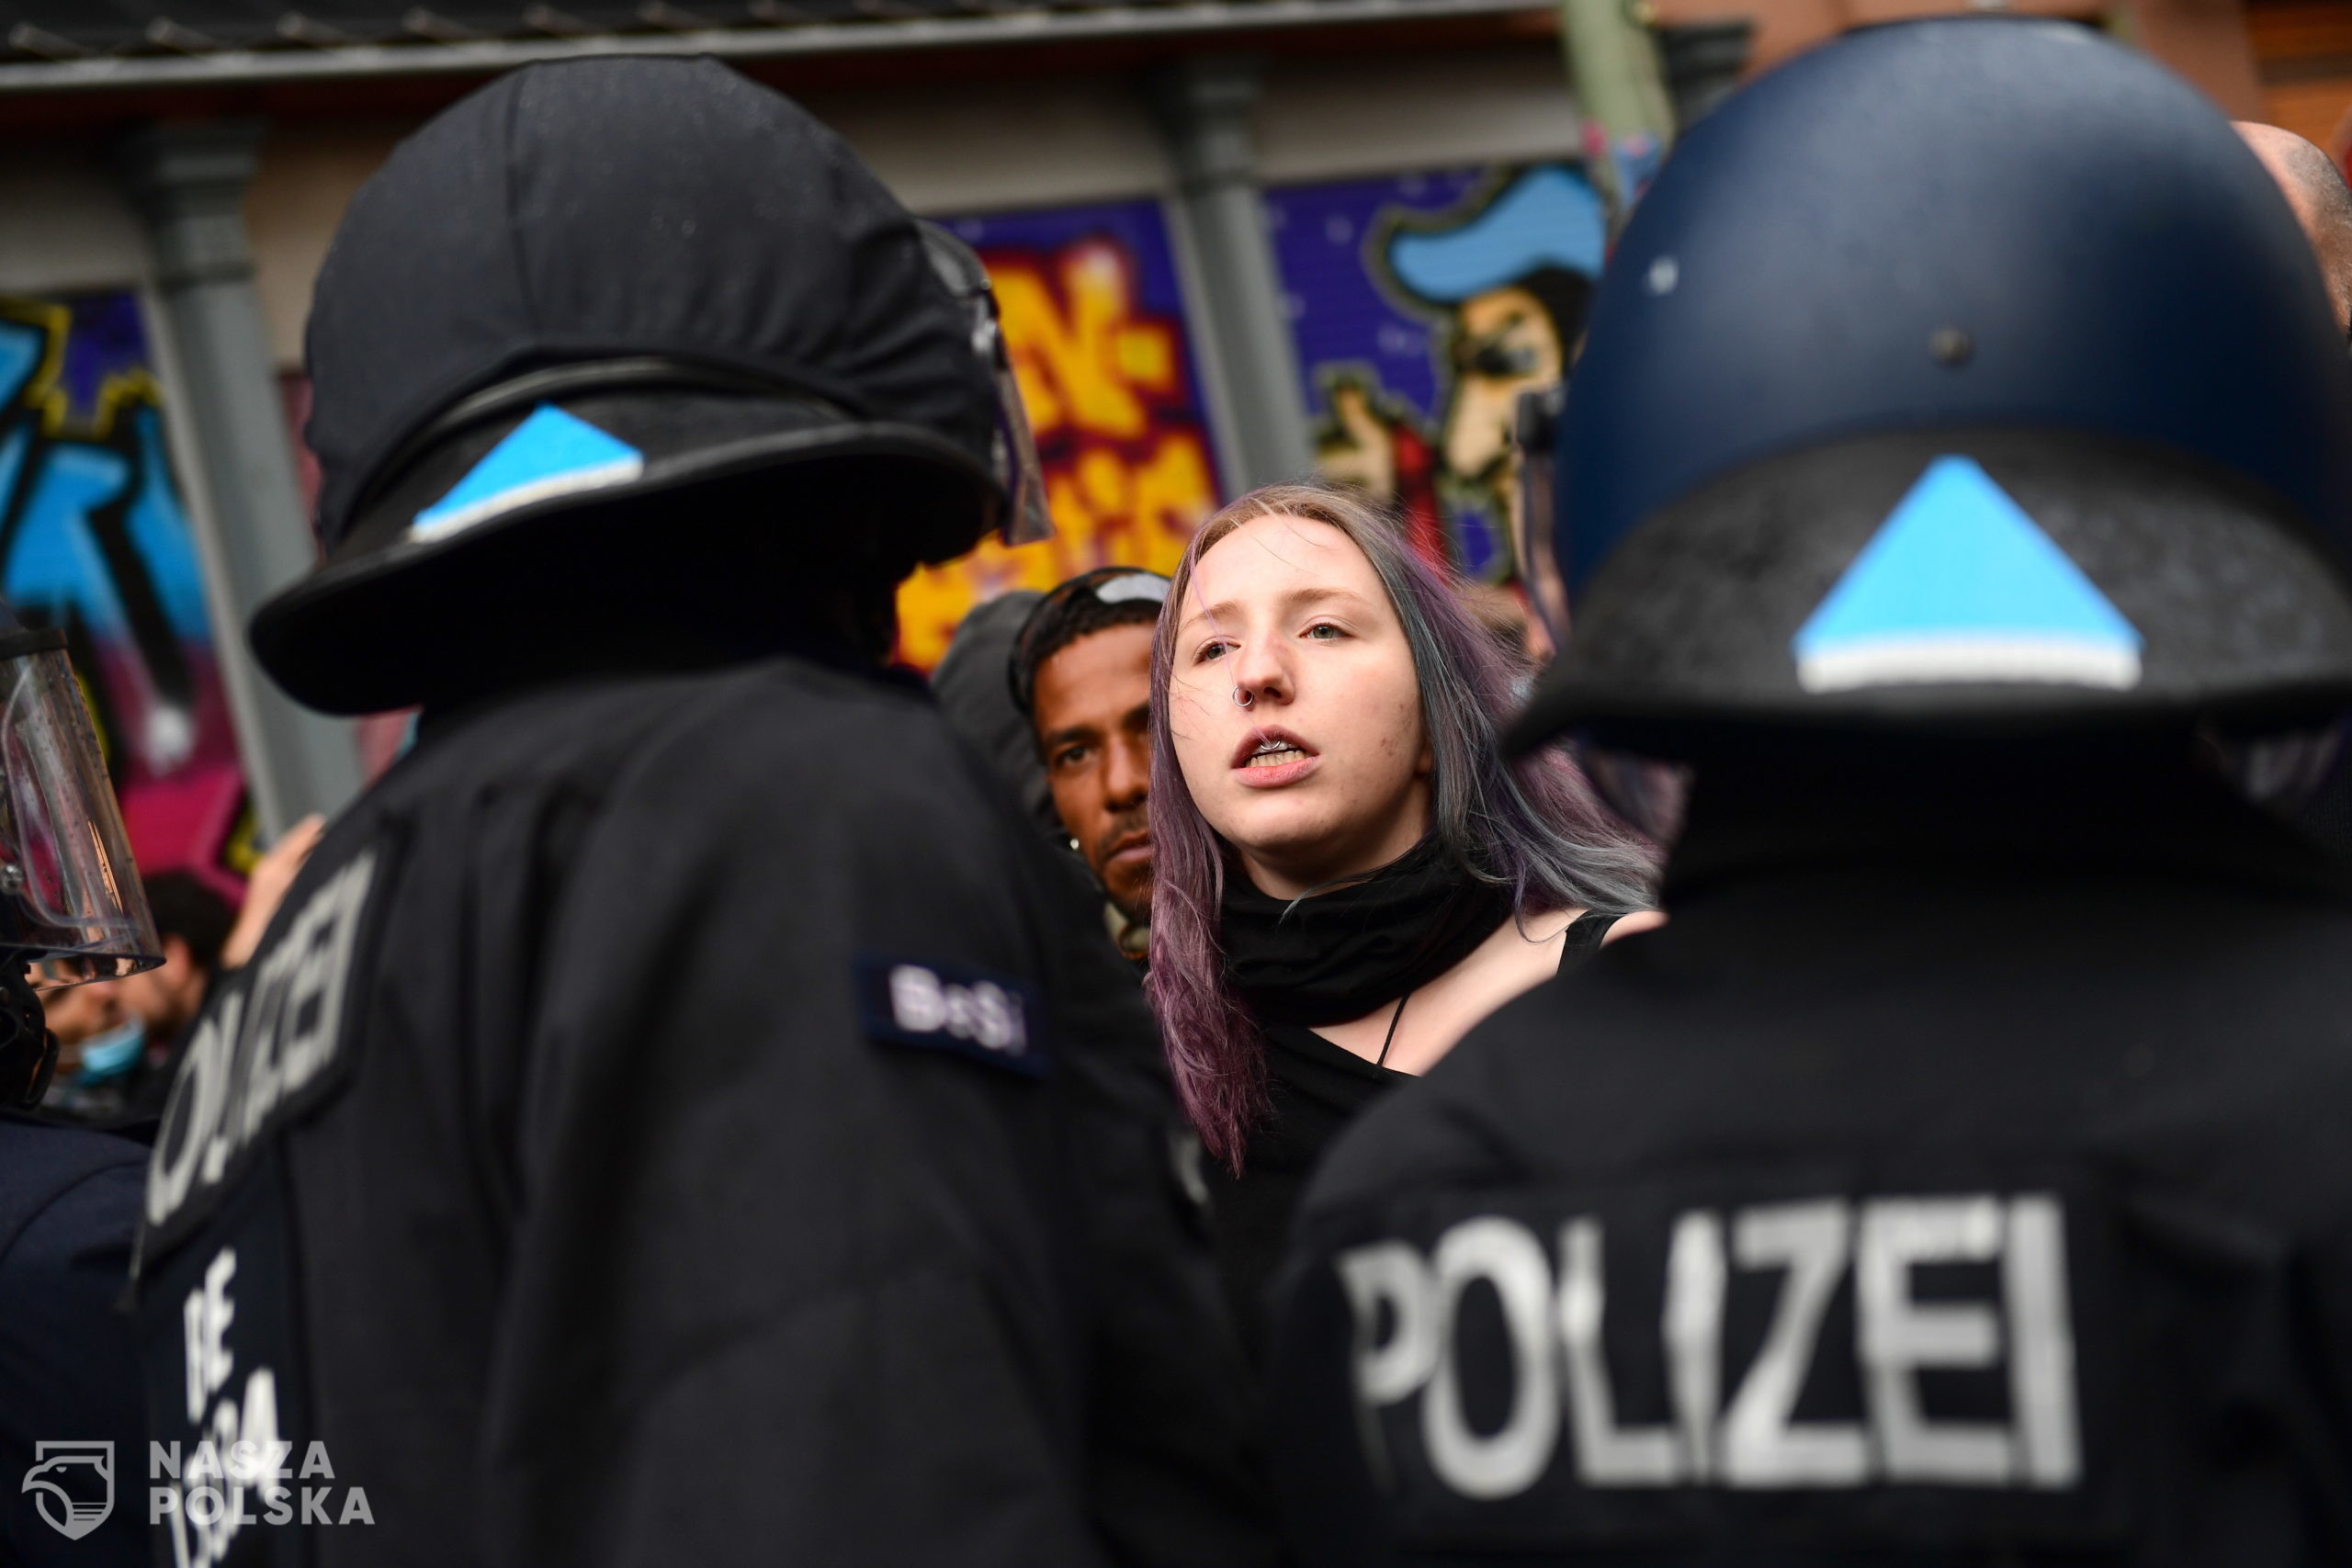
point(1348, 876)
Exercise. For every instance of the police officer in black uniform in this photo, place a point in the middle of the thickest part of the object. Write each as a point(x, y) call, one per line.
point(72, 1427)
point(676, 1115)
point(1953, 480)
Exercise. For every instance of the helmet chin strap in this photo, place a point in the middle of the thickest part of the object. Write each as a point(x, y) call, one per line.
point(27, 1049)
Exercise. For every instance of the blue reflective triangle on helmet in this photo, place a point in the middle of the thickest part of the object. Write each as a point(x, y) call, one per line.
point(1958, 585)
point(551, 452)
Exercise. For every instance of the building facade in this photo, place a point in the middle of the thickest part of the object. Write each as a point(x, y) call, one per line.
point(1233, 241)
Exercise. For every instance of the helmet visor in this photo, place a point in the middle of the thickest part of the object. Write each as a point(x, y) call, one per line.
point(1013, 449)
point(70, 895)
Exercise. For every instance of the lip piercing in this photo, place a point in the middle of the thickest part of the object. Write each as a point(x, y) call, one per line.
point(1242, 699)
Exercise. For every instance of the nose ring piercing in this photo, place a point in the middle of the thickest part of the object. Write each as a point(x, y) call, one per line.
point(1242, 699)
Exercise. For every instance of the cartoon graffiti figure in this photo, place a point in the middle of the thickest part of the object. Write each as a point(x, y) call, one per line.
point(1510, 278)
point(1380, 445)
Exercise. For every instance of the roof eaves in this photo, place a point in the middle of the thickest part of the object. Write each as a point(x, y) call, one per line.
point(62, 71)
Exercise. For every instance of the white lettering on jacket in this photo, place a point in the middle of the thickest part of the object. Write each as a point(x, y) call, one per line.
point(266, 1041)
point(922, 1003)
point(1406, 1310)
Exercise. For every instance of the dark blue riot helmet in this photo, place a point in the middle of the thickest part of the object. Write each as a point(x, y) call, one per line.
point(1963, 375)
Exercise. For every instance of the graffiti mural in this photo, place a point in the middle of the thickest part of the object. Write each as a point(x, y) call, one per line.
point(1096, 326)
point(1423, 305)
point(94, 540)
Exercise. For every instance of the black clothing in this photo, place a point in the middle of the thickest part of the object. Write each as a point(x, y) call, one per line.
point(2326, 813)
point(688, 1120)
point(149, 1089)
point(1336, 956)
point(1958, 1176)
point(976, 699)
point(129, 1106)
point(1313, 1088)
point(69, 1206)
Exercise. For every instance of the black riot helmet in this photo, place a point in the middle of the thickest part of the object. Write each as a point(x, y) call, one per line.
point(624, 349)
point(1963, 377)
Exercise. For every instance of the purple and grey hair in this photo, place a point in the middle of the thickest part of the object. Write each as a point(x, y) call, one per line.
point(1536, 828)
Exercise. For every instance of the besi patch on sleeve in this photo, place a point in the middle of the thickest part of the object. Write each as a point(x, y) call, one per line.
point(951, 1006)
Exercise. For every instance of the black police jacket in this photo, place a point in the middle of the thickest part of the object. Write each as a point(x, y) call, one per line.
point(1931, 1200)
point(72, 1431)
point(683, 1120)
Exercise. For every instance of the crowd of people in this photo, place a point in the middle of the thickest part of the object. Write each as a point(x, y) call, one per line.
point(1848, 1061)
point(120, 1041)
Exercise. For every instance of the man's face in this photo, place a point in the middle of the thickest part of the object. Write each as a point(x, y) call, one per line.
point(2299, 170)
point(167, 1000)
point(1094, 718)
point(81, 1013)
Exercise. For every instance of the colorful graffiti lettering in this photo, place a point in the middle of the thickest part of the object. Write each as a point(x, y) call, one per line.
point(1087, 297)
point(1422, 306)
point(94, 540)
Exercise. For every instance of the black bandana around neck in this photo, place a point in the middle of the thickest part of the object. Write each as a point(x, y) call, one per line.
point(1334, 956)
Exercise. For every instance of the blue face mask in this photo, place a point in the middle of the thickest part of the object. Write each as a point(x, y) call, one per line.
point(111, 1055)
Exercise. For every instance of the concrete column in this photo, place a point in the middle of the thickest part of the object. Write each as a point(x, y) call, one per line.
point(1612, 63)
point(1257, 406)
point(188, 184)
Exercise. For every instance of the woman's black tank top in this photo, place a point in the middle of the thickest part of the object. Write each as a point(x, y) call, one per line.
point(1313, 1089)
